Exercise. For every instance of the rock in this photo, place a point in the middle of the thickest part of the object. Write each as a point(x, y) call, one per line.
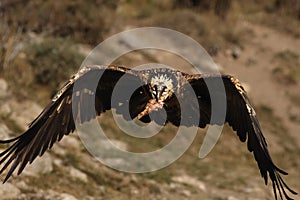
point(9, 191)
point(134, 191)
point(214, 50)
point(185, 179)
point(58, 162)
point(102, 189)
point(24, 113)
point(173, 185)
point(236, 52)
point(186, 193)
point(4, 132)
point(5, 109)
point(3, 88)
point(22, 185)
point(75, 173)
point(115, 161)
point(70, 142)
point(116, 144)
point(120, 144)
point(233, 52)
point(41, 165)
point(232, 198)
point(53, 195)
point(65, 196)
point(59, 150)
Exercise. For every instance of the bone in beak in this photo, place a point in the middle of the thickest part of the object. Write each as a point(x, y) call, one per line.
point(152, 105)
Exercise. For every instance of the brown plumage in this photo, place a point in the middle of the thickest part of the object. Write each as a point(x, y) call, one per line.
point(158, 89)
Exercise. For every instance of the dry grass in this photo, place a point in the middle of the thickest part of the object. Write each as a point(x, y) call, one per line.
point(287, 70)
point(229, 167)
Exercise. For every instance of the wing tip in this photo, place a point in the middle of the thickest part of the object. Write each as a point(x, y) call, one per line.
point(9, 140)
point(280, 187)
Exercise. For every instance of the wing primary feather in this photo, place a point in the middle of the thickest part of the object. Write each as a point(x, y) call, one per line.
point(6, 157)
point(12, 168)
point(6, 151)
point(292, 191)
point(56, 119)
point(282, 190)
point(241, 116)
point(242, 134)
point(9, 141)
point(46, 142)
point(278, 188)
point(274, 190)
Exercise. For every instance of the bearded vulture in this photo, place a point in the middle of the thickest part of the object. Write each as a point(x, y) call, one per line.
point(159, 89)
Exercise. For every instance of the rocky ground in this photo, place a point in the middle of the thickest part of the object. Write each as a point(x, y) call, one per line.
point(268, 65)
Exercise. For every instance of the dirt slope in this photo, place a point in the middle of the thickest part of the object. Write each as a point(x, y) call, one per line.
point(228, 173)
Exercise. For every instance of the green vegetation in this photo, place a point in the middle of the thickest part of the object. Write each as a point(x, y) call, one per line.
point(51, 52)
point(40, 47)
point(53, 60)
point(161, 176)
point(287, 56)
point(81, 21)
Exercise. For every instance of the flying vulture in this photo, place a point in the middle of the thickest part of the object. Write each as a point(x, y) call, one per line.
point(159, 90)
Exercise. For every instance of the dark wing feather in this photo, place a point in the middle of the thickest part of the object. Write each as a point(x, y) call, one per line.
point(242, 118)
point(56, 120)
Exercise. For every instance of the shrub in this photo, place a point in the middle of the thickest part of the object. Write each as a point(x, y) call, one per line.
point(53, 60)
point(83, 21)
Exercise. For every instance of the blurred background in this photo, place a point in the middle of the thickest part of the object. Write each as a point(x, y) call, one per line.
point(42, 43)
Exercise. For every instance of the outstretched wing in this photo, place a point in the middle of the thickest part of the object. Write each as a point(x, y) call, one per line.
point(241, 116)
point(73, 101)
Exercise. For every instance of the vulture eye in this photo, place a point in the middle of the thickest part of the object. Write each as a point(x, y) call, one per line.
point(165, 90)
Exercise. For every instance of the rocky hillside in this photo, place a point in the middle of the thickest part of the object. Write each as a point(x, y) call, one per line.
point(264, 55)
